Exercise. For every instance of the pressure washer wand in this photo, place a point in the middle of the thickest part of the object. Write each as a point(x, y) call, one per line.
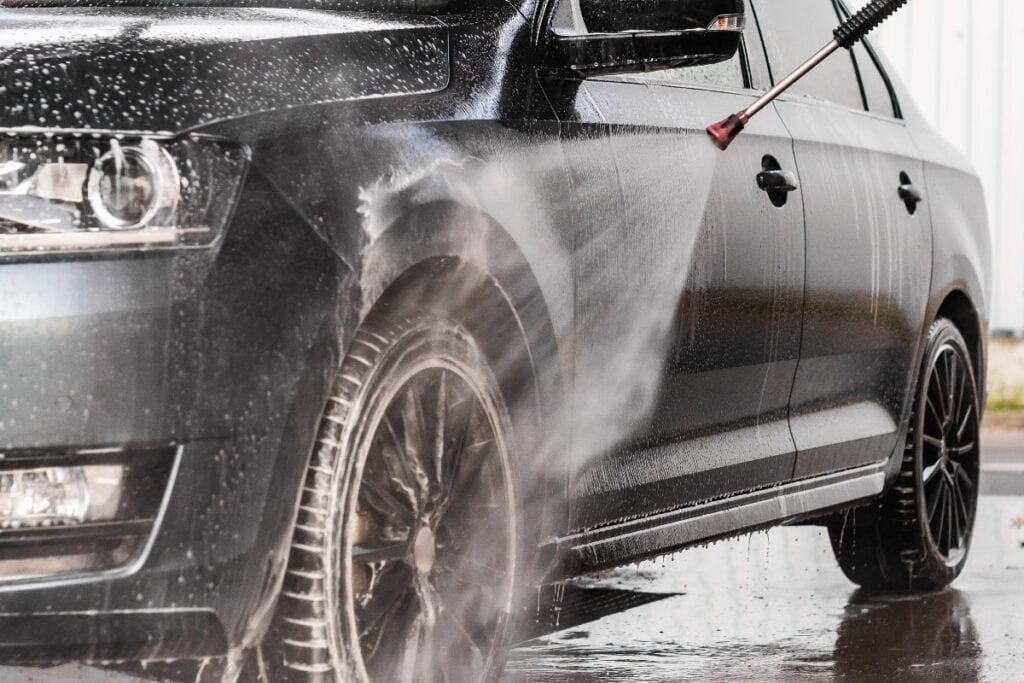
point(847, 35)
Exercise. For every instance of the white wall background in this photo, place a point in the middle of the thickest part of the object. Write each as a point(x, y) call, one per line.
point(964, 63)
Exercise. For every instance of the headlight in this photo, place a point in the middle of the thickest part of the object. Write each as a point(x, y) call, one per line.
point(89, 193)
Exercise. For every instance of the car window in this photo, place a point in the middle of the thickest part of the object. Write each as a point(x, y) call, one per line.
point(568, 20)
point(794, 30)
point(876, 90)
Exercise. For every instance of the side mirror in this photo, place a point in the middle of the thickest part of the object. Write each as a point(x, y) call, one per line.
point(624, 36)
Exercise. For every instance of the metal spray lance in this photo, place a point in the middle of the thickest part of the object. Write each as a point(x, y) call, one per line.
point(847, 35)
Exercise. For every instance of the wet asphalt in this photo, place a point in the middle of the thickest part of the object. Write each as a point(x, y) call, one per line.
point(774, 606)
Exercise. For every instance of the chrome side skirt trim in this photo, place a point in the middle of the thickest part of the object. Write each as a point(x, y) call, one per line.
point(608, 546)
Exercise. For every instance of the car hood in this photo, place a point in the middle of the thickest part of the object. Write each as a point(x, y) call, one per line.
point(175, 69)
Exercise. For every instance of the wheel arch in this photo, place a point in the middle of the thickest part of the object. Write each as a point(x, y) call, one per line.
point(459, 263)
point(956, 305)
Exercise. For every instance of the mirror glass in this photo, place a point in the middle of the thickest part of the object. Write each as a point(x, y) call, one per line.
point(616, 16)
point(567, 20)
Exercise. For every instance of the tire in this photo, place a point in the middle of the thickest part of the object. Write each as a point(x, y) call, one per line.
point(403, 564)
point(918, 537)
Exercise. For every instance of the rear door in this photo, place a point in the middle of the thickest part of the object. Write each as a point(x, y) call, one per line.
point(868, 250)
point(689, 290)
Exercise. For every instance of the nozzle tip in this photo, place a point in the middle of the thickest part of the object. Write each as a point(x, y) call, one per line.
point(724, 132)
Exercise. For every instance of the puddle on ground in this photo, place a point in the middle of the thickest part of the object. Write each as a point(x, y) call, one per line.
point(774, 606)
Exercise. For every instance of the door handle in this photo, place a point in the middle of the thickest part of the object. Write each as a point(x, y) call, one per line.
point(777, 181)
point(910, 193)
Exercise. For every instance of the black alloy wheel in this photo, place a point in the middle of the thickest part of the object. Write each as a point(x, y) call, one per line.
point(949, 457)
point(403, 563)
point(918, 536)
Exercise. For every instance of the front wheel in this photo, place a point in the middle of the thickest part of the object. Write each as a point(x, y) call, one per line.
point(919, 535)
point(403, 562)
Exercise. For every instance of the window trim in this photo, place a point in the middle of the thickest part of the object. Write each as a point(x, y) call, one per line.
point(843, 13)
point(841, 10)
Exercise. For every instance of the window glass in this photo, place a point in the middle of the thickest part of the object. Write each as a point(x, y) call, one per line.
point(794, 30)
point(875, 90)
point(567, 20)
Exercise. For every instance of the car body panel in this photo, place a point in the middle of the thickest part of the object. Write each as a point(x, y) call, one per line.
point(134, 70)
point(701, 409)
point(867, 259)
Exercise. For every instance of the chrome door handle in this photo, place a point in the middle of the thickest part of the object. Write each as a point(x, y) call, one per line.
point(777, 181)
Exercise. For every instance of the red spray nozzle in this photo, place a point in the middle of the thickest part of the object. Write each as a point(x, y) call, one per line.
point(724, 132)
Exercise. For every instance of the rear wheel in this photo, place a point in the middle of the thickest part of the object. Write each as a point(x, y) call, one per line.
point(403, 563)
point(919, 535)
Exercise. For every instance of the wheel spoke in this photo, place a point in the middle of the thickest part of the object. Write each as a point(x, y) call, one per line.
point(387, 503)
point(426, 645)
point(962, 508)
point(952, 365)
point(940, 391)
point(932, 441)
point(934, 412)
point(478, 644)
point(382, 623)
point(397, 463)
point(966, 448)
point(409, 654)
point(415, 431)
point(929, 472)
point(366, 553)
point(389, 585)
point(963, 423)
point(950, 518)
point(462, 423)
point(965, 479)
point(465, 479)
point(955, 527)
point(961, 391)
point(933, 504)
point(441, 413)
point(947, 523)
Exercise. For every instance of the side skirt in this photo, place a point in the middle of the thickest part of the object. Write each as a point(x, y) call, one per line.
point(632, 540)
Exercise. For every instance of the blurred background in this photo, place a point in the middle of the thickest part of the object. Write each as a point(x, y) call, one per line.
point(961, 61)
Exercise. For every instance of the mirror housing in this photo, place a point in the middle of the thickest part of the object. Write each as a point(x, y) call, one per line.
point(628, 36)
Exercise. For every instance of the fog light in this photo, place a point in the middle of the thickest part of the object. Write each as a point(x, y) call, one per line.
point(59, 496)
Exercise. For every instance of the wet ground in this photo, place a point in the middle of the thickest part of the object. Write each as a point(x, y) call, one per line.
point(774, 606)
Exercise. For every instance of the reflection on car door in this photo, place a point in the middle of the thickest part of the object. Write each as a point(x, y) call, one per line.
point(689, 295)
point(868, 250)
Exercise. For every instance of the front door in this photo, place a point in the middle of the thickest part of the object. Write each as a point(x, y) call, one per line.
point(689, 285)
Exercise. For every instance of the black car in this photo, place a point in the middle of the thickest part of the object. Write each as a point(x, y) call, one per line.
point(335, 329)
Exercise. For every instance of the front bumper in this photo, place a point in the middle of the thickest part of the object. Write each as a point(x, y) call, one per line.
point(222, 355)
